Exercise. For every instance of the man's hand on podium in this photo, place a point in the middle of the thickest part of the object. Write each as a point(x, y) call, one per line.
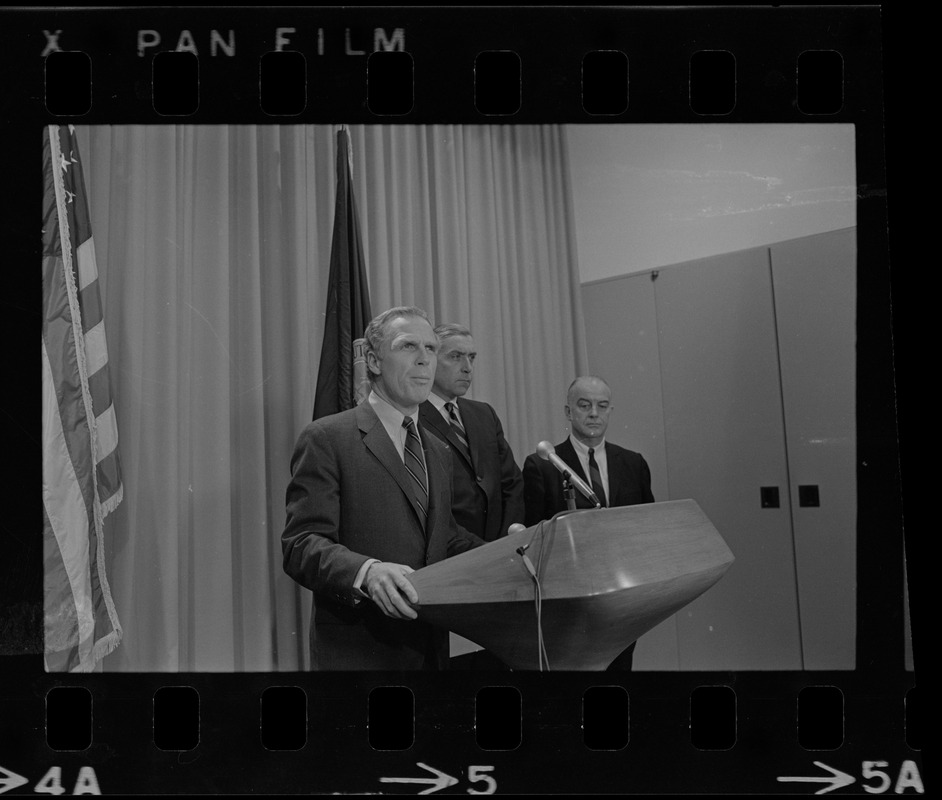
point(388, 587)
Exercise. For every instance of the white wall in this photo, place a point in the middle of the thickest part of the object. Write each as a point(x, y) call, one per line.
point(646, 196)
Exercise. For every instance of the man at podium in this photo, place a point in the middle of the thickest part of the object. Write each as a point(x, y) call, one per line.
point(369, 502)
point(617, 476)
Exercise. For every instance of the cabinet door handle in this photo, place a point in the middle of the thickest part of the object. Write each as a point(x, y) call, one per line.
point(768, 496)
point(808, 496)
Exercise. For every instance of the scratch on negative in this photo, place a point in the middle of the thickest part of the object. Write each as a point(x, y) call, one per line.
point(864, 191)
point(210, 326)
point(257, 385)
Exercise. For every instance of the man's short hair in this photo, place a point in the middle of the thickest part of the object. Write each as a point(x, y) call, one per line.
point(378, 329)
point(448, 329)
point(585, 378)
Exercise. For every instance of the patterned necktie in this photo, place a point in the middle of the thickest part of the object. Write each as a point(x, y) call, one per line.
point(415, 464)
point(596, 477)
point(459, 432)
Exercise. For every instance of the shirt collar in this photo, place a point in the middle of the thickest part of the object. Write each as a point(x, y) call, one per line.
point(388, 414)
point(583, 449)
point(439, 403)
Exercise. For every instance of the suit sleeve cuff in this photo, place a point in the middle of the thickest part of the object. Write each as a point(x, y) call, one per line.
point(358, 592)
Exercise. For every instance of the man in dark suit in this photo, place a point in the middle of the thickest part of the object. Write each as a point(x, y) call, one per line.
point(369, 501)
point(619, 477)
point(488, 487)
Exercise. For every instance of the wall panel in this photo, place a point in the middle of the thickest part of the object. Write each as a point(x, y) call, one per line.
point(621, 335)
point(814, 280)
point(725, 440)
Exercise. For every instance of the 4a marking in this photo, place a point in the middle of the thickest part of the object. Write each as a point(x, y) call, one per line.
point(51, 782)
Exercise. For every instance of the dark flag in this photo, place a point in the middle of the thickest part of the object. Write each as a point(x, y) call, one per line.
point(342, 383)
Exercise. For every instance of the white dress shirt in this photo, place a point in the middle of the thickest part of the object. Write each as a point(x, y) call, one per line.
point(392, 418)
point(439, 403)
point(582, 451)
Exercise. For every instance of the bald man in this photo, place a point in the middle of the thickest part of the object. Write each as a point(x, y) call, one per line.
point(619, 477)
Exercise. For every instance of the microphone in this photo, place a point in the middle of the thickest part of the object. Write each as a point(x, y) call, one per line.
point(547, 452)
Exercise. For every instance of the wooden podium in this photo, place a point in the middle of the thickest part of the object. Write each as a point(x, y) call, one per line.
point(606, 576)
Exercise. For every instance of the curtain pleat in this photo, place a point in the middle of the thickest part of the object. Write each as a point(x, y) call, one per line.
point(213, 245)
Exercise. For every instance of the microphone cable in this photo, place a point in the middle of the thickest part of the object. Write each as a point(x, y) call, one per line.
point(535, 573)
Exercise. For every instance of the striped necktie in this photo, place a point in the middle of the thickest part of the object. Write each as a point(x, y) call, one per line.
point(415, 464)
point(596, 477)
point(459, 432)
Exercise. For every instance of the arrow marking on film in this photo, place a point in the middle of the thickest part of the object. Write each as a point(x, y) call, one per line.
point(836, 779)
point(10, 780)
point(440, 781)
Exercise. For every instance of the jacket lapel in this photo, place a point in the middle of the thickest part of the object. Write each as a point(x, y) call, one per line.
point(433, 418)
point(568, 454)
point(617, 475)
point(377, 441)
point(467, 414)
point(436, 475)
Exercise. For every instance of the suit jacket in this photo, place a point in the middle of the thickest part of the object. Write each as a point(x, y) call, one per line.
point(488, 491)
point(349, 499)
point(629, 481)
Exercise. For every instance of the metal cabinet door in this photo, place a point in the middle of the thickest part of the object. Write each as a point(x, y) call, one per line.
point(814, 282)
point(723, 423)
point(621, 336)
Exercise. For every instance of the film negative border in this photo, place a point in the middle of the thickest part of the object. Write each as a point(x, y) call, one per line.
point(678, 66)
point(337, 47)
point(552, 755)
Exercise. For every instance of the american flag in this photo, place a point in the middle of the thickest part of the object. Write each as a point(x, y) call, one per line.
point(81, 470)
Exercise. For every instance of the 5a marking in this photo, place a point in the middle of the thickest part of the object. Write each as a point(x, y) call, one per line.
point(908, 778)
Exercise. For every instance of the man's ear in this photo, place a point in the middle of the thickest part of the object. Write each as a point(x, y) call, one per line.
point(568, 413)
point(372, 362)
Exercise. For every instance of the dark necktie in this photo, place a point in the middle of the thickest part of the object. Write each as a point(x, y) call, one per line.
point(459, 432)
point(596, 477)
point(415, 464)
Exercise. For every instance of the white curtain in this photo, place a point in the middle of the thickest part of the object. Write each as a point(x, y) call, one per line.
point(213, 246)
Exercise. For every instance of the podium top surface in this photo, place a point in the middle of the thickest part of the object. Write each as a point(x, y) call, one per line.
point(582, 554)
